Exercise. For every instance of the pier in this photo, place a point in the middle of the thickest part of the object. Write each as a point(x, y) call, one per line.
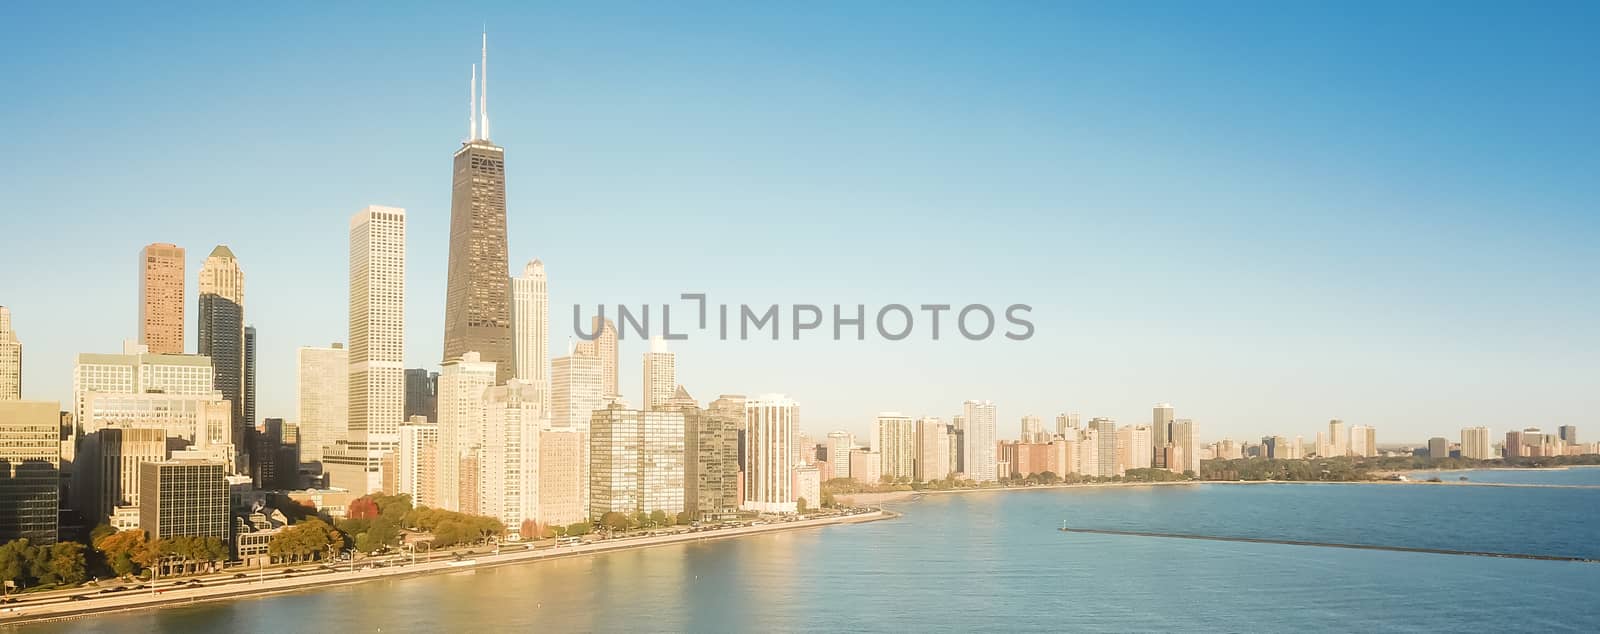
point(1296, 542)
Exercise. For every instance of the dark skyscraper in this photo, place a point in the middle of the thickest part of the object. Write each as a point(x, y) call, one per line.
point(222, 335)
point(249, 376)
point(477, 307)
point(422, 394)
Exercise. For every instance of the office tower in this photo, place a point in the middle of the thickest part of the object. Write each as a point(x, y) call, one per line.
point(710, 458)
point(221, 328)
point(183, 498)
point(769, 423)
point(563, 477)
point(1438, 447)
point(1066, 422)
point(138, 371)
point(1186, 436)
point(636, 461)
point(1278, 448)
point(275, 462)
point(1105, 447)
point(1475, 443)
point(530, 325)
point(894, 438)
point(508, 466)
point(577, 389)
point(1363, 441)
point(1032, 429)
point(660, 374)
point(477, 313)
point(1338, 439)
point(603, 347)
point(933, 450)
point(417, 461)
point(1161, 433)
point(377, 342)
point(462, 384)
point(866, 466)
point(192, 421)
point(1567, 433)
point(422, 394)
point(1513, 447)
point(1139, 441)
point(840, 444)
point(978, 416)
point(10, 359)
point(322, 389)
point(161, 284)
point(108, 467)
point(250, 376)
point(30, 463)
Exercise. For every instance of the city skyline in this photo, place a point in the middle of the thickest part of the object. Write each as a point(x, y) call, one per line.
point(1390, 355)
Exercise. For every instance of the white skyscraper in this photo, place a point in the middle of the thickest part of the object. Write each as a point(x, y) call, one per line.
point(660, 375)
point(840, 444)
point(1187, 437)
point(1363, 441)
point(894, 438)
point(530, 327)
point(417, 461)
point(980, 440)
point(462, 383)
point(577, 389)
point(377, 345)
point(1140, 447)
point(1106, 447)
point(508, 466)
point(933, 450)
point(322, 377)
point(1338, 439)
point(1033, 430)
point(770, 422)
point(1475, 443)
point(10, 359)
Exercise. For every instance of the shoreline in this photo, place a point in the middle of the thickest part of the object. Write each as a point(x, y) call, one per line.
point(308, 581)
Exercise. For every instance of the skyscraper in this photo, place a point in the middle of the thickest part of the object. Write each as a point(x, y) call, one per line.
point(980, 447)
point(1186, 436)
point(322, 380)
point(108, 467)
point(250, 376)
point(637, 461)
point(10, 359)
point(576, 391)
point(1033, 430)
point(422, 394)
point(183, 498)
point(840, 444)
point(161, 298)
point(604, 348)
point(660, 374)
point(1475, 443)
point(508, 467)
point(1363, 441)
point(710, 457)
point(933, 450)
point(462, 384)
point(530, 327)
point(769, 423)
point(417, 461)
point(477, 306)
point(1067, 421)
point(1338, 439)
point(1567, 433)
point(894, 438)
point(1160, 433)
point(30, 462)
point(221, 333)
point(1105, 447)
point(1438, 447)
point(377, 344)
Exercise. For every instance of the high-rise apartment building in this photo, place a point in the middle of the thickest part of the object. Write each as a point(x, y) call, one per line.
point(1567, 433)
point(660, 374)
point(508, 463)
point(422, 394)
point(770, 423)
point(108, 467)
point(1475, 443)
point(183, 498)
point(10, 359)
point(980, 440)
point(1438, 447)
point(1140, 442)
point(462, 385)
point(1033, 430)
point(530, 327)
point(1363, 441)
point(377, 344)
point(250, 376)
point(577, 389)
point(1338, 439)
point(636, 461)
point(1161, 434)
point(477, 308)
point(1105, 464)
point(1186, 437)
point(322, 391)
point(417, 462)
point(894, 437)
point(710, 457)
point(933, 450)
point(30, 463)
point(1067, 424)
point(603, 347)
point(840, 444)
point(161, 284)
point(221, 330)
point(563, 477)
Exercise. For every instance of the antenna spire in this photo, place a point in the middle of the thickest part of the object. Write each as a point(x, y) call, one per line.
point(472, 107)
point(483, 103)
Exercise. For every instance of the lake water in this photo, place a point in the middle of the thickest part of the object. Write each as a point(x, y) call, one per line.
point(994, 561)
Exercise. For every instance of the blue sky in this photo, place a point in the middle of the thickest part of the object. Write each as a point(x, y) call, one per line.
point(1268, 214)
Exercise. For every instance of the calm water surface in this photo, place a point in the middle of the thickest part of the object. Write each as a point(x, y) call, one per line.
point(994, 561)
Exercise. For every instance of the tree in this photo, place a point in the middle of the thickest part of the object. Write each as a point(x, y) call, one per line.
point(15, 561)
point(640, 519)
point(658, 517)
point(121, 551)
point(579, 529)
point(800, 505)
point(530, 529)
point(683, 518)
point(66, 564)
point(615, 521)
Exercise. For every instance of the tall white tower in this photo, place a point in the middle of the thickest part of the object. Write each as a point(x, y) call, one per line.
point(530, 329)
point(980, 458)
point(377, 343)
point(660, 375)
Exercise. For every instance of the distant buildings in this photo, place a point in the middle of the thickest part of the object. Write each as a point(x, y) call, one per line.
point(1105, 448)
point(604, 348)
point(1363, 441)
point(1033, 430)
point(30, 461)
point(183, 498)
point(1438, 447)
point(840, 445)
point(1161, 434)
point(322, 389)
point(1140, 442)
point(934, 444)
point(895, 439)
point(978, 417)
point(770, 423)
point(10, 359)
point(866, 467)
point(1475, 443)
point(807, 486)
point(1338, 441)
point(161, 284)
point(1567, 433)
point(660, 375)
